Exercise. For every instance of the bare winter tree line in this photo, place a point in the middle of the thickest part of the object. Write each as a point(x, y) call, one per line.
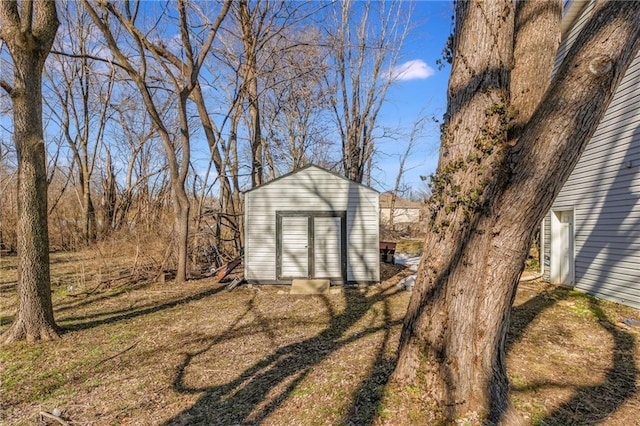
point(158, 115)
point(129, 93)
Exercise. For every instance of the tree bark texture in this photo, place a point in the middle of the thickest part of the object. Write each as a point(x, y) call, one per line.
point(29, 34)
point(508, 146)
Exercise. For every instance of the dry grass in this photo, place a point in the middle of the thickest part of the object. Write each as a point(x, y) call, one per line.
point(413, 247)
point(571, 359)
point(149, 354)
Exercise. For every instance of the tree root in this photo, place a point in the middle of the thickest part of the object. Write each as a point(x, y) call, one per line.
point(18, 332)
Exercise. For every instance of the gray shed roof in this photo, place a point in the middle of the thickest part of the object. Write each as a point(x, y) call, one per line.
point(308, 166)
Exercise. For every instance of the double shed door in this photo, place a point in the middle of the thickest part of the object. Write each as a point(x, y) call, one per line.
point(311, 245)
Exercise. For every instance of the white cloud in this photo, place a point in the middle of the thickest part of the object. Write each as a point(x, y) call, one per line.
point(411, 70)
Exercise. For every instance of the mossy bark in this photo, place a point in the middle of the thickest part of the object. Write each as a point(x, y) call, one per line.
point(507, 149)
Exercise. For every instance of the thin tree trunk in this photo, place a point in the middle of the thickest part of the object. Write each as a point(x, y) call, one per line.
point(109, 196)
point(183, 204)
point(250, 84)
point(88, 213)
point(182, 207)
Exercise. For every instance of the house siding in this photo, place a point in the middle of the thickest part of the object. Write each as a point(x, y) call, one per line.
point(573, 20)
point(401, 215)
point(312, 189)
point(604, 192)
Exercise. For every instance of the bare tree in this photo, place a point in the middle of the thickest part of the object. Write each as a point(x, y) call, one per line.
point(295, 102)
point(252, 49)
point(414, 135)
point(133, 142)
point(262, 50)
point(82, 88)
point(29, 28)
point(505, 154)
point(250, 39)
point(362, 73)
point(183, 80)
point(227, 170)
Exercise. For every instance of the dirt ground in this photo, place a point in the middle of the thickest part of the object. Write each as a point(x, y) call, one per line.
point(135, 352)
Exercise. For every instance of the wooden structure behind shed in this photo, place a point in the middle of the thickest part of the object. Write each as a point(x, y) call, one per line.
point(312, 224)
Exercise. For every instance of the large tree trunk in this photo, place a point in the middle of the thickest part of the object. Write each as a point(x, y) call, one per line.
point(494, 184)
point(29, 36)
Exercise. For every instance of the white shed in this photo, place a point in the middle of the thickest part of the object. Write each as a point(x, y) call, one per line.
point(311, 224)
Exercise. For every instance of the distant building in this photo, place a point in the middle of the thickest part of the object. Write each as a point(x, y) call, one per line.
point(405, 212)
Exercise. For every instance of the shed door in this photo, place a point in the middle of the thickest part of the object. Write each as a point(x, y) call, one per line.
point(295, 247)
point(311, 244)
point(327, 251)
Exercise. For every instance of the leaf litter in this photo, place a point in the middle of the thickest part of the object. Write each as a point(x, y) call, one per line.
point(162, 354)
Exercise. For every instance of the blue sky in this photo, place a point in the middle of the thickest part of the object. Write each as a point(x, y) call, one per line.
point(421, 91)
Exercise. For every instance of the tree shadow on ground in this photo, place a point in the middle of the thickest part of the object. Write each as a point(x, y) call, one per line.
point(593, 404)
point(525, 313)
point(84, 322)
point(95, 298)
point(92, 298)
point(590, 404)
point(261, 388)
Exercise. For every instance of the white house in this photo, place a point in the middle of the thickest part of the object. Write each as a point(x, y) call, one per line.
point(591, 237)
point(312, 224)
point(405, 212)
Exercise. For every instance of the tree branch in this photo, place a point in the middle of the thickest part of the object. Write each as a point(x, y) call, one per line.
point(7, 87)
point(87, 56)
point(26, 17)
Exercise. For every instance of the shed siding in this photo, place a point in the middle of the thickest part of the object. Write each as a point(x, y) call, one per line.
point(546, 247)
point(604, 193)
point(312, 189)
